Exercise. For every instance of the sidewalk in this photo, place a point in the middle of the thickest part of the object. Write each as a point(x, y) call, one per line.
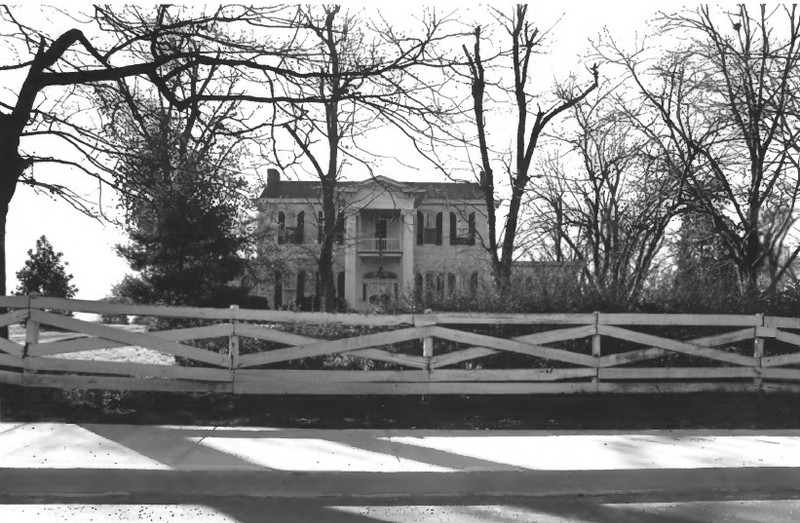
point(87, 459)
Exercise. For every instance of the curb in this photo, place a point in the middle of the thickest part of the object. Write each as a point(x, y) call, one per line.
point(277, 484)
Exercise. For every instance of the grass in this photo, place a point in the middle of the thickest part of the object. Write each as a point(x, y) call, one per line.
point(554, 412)
point(119, 354)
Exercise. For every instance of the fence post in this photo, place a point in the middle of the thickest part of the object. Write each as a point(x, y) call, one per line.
point(427, 347)
point(758, 350)
point(596, 346)
point(427, 342)
point(233, 340)
point(31, 328)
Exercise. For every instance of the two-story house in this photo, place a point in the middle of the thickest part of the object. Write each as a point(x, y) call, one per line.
point(392, 237)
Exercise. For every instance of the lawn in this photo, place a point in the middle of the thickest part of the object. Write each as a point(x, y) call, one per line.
point(119, 354)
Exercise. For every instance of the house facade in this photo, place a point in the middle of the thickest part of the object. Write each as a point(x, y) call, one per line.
point(392, 237)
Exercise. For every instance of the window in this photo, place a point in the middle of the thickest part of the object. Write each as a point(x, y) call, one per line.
point(462, 232)
point(440, 285)
point(429, 228)
point(289, 288)
point(473, 283)
point(451, 283)
point(290, 227)
point(418, 285)
point(381, 227)
point(338, 228)
point(430, 284)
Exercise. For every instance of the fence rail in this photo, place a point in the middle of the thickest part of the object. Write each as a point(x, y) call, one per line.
point(419, 354)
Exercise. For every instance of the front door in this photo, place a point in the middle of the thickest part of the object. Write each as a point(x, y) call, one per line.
point(381, 228)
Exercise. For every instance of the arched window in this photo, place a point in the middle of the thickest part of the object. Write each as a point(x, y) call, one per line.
point(451, 283)
point(430, 285)
point(289, 288)
point(418, 285)
point(473, 283)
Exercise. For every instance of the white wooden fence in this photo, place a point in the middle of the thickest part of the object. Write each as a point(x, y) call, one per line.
point(752, 353)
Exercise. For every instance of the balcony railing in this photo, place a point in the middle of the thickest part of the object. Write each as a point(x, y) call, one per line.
point(379, 245)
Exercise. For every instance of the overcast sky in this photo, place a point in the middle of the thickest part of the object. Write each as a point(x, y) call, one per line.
point(88, 245)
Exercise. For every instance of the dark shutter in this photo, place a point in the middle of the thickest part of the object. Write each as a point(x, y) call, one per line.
point(281, 228)
point(340, 284)
point(299, 231)
point(472, 228)
point(278, 298)
point(338, 233)
point(452, 228)
point(420, 227)
point(438, 228)
point(301, 285)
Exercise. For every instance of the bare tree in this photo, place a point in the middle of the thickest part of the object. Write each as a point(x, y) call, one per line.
point(611, 207)
point(354, 76)
point(728, 97)
point(525, 40)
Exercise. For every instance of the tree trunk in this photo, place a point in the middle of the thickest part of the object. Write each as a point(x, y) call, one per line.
point(502, 267)
point(750, 265)
point(3, 219)
point(11, 169)
point(327, 281)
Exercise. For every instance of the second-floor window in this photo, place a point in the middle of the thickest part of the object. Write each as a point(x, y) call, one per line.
point(338, 228)
point(462, 231)
point(429, 228)
point(291, 227)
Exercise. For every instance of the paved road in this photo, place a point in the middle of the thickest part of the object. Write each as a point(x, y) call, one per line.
point(68, 472)
point(443, 510)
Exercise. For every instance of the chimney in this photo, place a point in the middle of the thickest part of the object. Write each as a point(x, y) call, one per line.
point(273, 177)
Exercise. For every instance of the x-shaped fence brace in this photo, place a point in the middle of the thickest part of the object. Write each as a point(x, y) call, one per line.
point(36, 363)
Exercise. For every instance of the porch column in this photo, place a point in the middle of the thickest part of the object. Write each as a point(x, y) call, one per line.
point(407, 281)
point(350, 258)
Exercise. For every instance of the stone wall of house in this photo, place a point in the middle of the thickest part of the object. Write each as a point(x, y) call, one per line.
point(457, 264)
point(460, 260)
